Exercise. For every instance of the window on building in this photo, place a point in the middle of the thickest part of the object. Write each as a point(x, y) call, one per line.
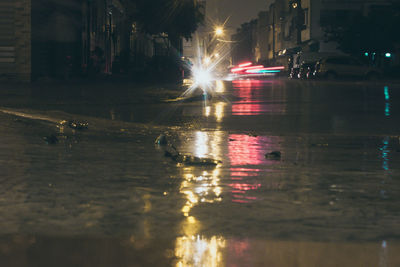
point(306, 20)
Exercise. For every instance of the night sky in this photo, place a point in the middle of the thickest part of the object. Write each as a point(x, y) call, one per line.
point(240, 11)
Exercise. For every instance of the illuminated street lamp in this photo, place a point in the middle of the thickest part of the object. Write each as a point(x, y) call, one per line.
point(219, 31)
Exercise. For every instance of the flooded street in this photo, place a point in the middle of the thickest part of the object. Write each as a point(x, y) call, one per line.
point(107, 195)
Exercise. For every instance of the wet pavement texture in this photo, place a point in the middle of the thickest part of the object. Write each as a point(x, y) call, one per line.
point(107, 195)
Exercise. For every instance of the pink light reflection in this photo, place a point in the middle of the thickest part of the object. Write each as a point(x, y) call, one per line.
point(240, 201)
point(245, 187)
point(245, 151)
point(249, 103)
point(250, 94)
point(241, 173)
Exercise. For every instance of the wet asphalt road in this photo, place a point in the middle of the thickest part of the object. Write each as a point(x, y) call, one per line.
point(107, 196)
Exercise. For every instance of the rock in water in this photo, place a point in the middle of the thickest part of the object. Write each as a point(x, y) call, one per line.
point(276, 155)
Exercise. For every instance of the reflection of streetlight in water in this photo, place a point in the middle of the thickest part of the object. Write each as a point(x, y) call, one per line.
point(200, 186)
point(199, 251)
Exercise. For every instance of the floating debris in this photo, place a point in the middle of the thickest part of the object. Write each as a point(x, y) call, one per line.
point(77, 125)
point(51, 139)
point(276, 155)
point(192, 160)
point(161, 140)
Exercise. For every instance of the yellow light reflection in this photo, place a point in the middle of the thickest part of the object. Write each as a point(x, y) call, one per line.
point(147, 203)
point(201, 144)
point(207, 111)
point(200, 186)
point(219, 111)
point(200, 251)
point(219, 86)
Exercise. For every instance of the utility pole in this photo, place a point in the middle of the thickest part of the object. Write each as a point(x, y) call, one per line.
point(88, 32)
point(273, 31)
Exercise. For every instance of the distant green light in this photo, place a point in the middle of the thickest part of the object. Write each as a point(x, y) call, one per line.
point(388, 55)
point(386, 92)
point(366, 54)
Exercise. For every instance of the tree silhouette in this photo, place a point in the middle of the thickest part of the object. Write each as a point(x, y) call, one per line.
point(176, 18)
point(357, 34)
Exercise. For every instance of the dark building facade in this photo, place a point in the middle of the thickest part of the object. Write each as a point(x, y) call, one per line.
point(244, 42)
point(57, 39)
point(15, 40)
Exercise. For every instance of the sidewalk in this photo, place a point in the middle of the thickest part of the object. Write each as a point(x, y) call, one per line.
point(100, 91)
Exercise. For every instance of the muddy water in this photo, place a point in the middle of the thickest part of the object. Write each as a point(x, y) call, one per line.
point(107, 196)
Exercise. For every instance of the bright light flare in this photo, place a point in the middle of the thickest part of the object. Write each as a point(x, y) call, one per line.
point(219, 31)
point(202, 77)
point(205, 68)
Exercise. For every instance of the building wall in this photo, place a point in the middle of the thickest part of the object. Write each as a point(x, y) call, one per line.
point(15, 40)
point(316, 8)
point(262, 37)
point(307, 7)
point(200, 39)
point(295, 25)
point(56, 28)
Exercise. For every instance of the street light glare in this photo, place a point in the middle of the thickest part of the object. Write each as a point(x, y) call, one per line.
point(219, 31)
point(202, 77)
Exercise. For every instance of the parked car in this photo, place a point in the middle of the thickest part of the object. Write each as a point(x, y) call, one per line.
point(294, 70)
point(306, 70)
point(345, 67)
point(306, 59)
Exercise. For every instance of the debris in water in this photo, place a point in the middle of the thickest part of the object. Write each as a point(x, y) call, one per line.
point(171, 152)
point(77, 125)
point(192, 160)
point(161, 140)
point(276, 155)
point(51, 139)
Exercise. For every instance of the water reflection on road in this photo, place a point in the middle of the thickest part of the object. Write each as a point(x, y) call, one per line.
point(331, 199)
